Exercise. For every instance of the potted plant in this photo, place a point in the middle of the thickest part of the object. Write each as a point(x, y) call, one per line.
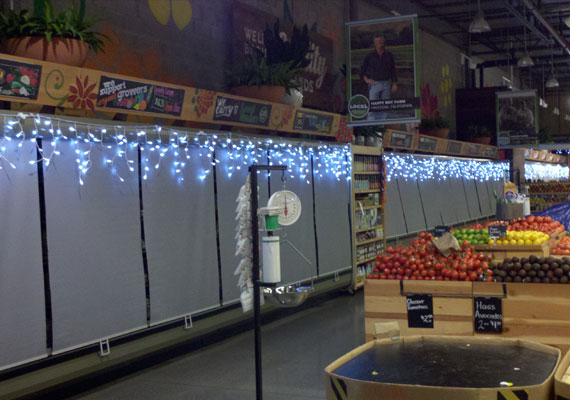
point(479, 134)
point(435, 126)
point(63, 37)
point(270, 75)
point(370, 135)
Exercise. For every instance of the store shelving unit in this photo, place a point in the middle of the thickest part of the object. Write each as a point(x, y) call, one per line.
point(368, 235)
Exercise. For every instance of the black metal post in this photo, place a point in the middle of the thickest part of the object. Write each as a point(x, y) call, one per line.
point(255, 273)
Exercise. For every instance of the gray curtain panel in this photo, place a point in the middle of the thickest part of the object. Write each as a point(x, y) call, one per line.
point(472, 199)
point(429, 191)
point(395, 224)
point(22, 308)
point(412, 205)
point(333, 226)
point(483, 195)
point(179, 222)
point(94, 241)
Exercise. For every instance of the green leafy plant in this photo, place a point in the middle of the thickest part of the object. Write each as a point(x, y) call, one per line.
point(46, 22)
point(370, 130)
point(279, 65)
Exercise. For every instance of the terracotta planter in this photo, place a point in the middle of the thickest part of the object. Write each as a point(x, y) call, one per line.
point(482, 140)
point(438, 132)
point(274, 94)
point(58, 50)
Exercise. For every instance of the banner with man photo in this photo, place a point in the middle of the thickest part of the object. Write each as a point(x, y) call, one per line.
point(383, 82)
point(517, 118)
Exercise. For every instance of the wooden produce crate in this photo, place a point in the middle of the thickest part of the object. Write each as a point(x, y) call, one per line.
point(380, 369)
point(384, 301)
point(562, 379)
point(500, 252)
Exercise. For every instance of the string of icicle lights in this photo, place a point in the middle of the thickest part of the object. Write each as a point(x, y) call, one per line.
point(416, 168)
point(545, 172)
point(157, 142)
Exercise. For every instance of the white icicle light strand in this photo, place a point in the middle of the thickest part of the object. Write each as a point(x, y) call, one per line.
point(241, 151)
point(541, 171)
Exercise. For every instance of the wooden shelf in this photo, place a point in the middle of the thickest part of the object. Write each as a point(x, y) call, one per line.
point(366, 260)
point(370, 241)
point(366, 150)
point(367, 172)
point(367, 191)
point(357, 208)
point(368, 229)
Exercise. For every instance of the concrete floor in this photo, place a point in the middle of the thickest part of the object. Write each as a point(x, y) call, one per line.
point(296, 349)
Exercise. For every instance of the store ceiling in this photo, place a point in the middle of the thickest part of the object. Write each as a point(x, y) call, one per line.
point(546, 33)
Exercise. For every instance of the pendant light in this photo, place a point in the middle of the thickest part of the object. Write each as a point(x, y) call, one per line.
point(526, 60)
point(552, 82)
point(479, 24)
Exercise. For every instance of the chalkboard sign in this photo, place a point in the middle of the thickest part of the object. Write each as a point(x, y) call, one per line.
point(420, 310)
point(497, 231)
point(488, 314)
point(441, 230)
point(401, 140)
point(19, 79)
point(454, 147)
point(427, 144)
point(474, 150)
point(246, 112)
point(139, 96)
point(313, 122)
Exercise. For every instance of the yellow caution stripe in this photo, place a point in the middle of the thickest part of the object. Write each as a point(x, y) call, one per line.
point(512, 395)
point(339, 388)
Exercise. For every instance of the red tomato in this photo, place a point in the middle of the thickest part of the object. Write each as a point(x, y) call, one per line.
point(462, 275)
point(424, 273)
point(454, 275)
point(472, 276)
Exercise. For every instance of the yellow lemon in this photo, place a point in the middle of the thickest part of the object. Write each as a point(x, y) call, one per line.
point(528, 242)
point(491, 242)
point(537, 242)
point(512, 241)
point(520, 242)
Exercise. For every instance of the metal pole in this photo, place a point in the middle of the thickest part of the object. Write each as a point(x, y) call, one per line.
point(255, 273)
point(255, 277)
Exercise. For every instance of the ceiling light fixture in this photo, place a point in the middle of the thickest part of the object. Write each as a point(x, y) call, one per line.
point(526, 60)
point(552, 82)
point(479, 24)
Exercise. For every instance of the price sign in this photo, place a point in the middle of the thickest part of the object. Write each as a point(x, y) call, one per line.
point(441, 230)
point(420, 310)
point(401, 140)
point(488, 314)
point(497, 231)
point(427, 144)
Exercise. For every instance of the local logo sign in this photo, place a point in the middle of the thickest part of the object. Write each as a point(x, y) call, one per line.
point(358, 106)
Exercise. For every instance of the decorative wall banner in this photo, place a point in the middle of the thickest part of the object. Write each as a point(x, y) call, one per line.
point(316, 80)
point(18, 79)
point(140, 96)
point(246, 112)
point(517, 118)
point(427, 144)
point(454, 147)
point(81, 91)
point(383, 84)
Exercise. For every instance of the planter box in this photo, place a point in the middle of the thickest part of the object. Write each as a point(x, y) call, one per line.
point(355, 375)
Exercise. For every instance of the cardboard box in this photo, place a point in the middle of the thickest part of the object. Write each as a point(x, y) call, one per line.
point(339, 387)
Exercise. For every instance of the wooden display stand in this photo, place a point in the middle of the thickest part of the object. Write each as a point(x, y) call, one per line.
point(500, 252)
point(531, 311)
point(368, 199)
point(562, 379)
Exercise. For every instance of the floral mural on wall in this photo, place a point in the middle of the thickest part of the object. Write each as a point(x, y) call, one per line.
point(180, 10)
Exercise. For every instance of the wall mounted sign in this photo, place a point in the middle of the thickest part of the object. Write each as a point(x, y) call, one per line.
point(517, 118)
point(474, 150)
point(488, 314)
point(454, 147)
point(401, 140)
point(140, 96)
point(420, 310)
point(311, 121)
point(427, 144)
point(246, 112)
point(383, 82)
point(19, 79)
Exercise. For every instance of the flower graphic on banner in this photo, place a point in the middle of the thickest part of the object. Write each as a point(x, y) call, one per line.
point(82, 94)
point(181, 11)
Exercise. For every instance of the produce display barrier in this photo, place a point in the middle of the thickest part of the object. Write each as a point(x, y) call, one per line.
point(341, 387)
point(562, 379)
point(530, 311)
point(500, 252)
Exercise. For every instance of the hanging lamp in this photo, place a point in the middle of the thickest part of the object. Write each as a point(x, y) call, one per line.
point(479, 24)
point(526, 60)
point(552, 82)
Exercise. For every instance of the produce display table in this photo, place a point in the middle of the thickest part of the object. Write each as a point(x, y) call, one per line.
point(531, 311)
point(450, 368)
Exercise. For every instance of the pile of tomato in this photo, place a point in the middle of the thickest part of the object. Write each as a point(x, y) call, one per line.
point(532, 223)
point(562, 247)
point(421, 260)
